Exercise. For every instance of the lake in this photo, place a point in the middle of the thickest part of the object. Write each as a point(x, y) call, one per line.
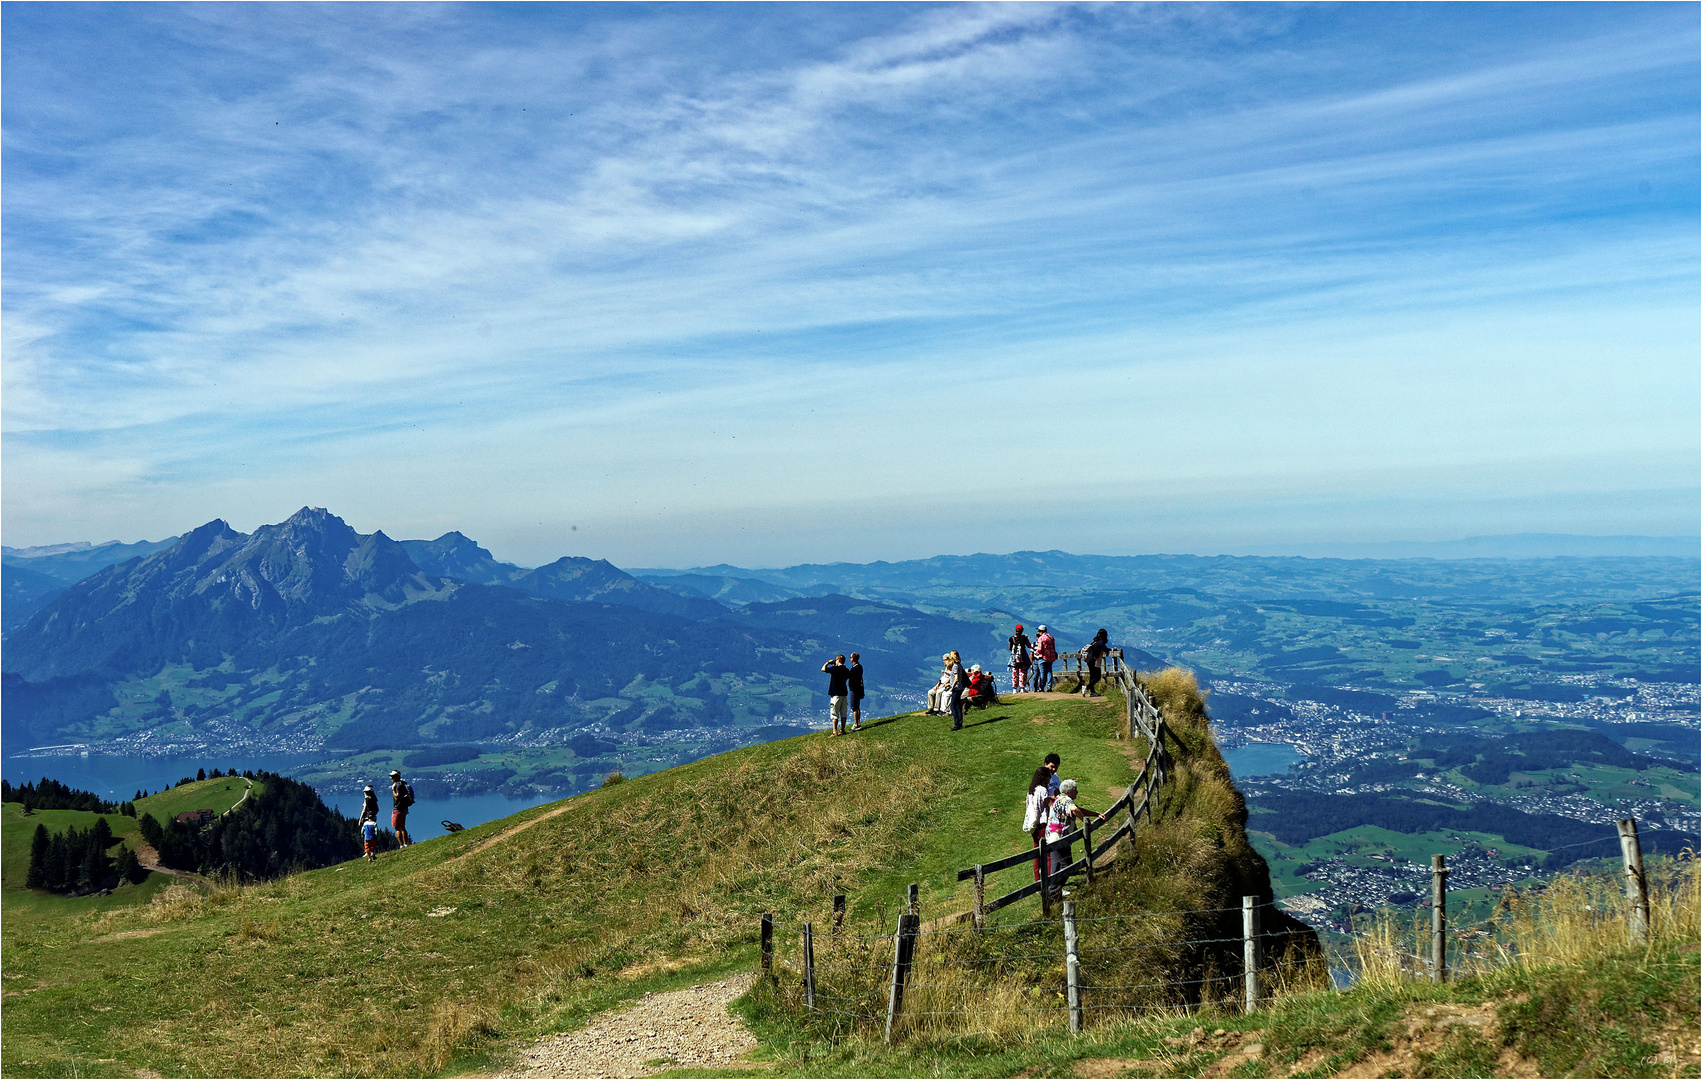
point(1261, 759)
point(119, 778)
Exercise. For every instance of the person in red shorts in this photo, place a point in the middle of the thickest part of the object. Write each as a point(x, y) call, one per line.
point(402, 797)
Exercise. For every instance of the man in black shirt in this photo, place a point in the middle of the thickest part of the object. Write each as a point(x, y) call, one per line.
point(856, 668)
point(838, 689)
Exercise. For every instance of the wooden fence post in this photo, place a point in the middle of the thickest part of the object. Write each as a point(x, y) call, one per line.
point(1045, 875)
point(980, 897)
point(1636, 885)
point(1250, 949)
point(767, 942)
point(914, 899)
point(903, 952)
point(1072, 965)
point(1438, 919)
point(809, 966)
point(1087, 827)
point(1132, 810)
point(838, 922)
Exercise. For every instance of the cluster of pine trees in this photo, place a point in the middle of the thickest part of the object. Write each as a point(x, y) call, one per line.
point(75, 861)
point(280, 828)
point(52, 795)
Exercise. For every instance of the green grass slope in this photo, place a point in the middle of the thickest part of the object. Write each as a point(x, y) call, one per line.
point(433, 957)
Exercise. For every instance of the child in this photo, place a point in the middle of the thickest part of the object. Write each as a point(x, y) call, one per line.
point(369, 833)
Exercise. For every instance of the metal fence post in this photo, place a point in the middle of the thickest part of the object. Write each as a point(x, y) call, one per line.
point(1072, 965)
point(767, 942)
point(1636, 886)
point(903, 951)
point(809, 966)
point(1438, 919)
point(1250, 949)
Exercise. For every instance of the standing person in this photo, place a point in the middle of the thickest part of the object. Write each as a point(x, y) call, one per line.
point(369, 805)
point(1094, 656)
point(369, 838)
point(1064, 815)
point(1042, 786)
point(401, 797)
point(856, 688)
point(954, 693)
point(1021, 657)
point(838, 689)
point(1045, 652)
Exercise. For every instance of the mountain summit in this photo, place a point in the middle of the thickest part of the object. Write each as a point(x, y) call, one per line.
point(215, 589)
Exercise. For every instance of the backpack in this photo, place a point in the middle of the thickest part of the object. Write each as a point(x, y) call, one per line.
point(407, 794)
point(1019, 652)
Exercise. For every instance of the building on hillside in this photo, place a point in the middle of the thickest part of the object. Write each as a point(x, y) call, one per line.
point(196, 817)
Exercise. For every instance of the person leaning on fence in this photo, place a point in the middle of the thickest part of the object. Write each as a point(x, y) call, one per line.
point(1045, 653)
point(838, 690)
point(1022, 656)
point(1037, 801)
point(1062, 816)
point(1093, 657)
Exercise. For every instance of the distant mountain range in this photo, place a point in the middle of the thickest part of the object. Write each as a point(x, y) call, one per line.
point(307, 633)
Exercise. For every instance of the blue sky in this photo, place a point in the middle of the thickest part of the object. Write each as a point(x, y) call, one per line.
point(680, 285)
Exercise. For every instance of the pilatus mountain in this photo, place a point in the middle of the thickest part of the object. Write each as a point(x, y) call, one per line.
point(308, 634)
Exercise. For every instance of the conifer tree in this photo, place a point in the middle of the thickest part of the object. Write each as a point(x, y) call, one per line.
point(39, 845)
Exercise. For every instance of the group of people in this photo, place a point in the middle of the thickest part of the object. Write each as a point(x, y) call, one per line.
point(1037, 655)
point(1051, 810)
point(844, 692)
point(957, 689)
point(401, 798)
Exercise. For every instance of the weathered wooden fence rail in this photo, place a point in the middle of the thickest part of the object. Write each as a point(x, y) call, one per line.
point(1142, 717)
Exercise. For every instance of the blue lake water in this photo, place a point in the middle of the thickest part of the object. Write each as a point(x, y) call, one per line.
point(426, 818)
point(1261, 759)
point(119, 778)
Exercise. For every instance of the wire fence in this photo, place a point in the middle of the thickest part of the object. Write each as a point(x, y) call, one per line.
point(980, 973)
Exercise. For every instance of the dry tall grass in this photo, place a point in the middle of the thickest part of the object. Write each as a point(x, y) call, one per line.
point(1572, 919)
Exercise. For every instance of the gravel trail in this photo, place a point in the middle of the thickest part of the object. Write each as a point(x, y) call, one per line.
point(681, 1028)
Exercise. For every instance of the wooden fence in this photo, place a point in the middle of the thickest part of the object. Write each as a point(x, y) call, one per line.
point(1141, 717)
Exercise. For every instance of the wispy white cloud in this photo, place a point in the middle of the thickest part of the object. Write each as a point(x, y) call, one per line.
point(510, 231)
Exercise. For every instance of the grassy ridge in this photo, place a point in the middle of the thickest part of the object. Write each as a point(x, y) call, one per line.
point(451, 948)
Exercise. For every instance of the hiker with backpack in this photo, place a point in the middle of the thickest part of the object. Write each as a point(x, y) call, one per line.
point(401, 797)
point(1045, 652)
point(369, 805)
point(1094, 657)
point(1022, 657)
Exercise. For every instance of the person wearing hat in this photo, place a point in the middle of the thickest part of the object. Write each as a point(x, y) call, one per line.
point(1045, 652)
point(1022, 655)
point(369, 804)
point(401, 797)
